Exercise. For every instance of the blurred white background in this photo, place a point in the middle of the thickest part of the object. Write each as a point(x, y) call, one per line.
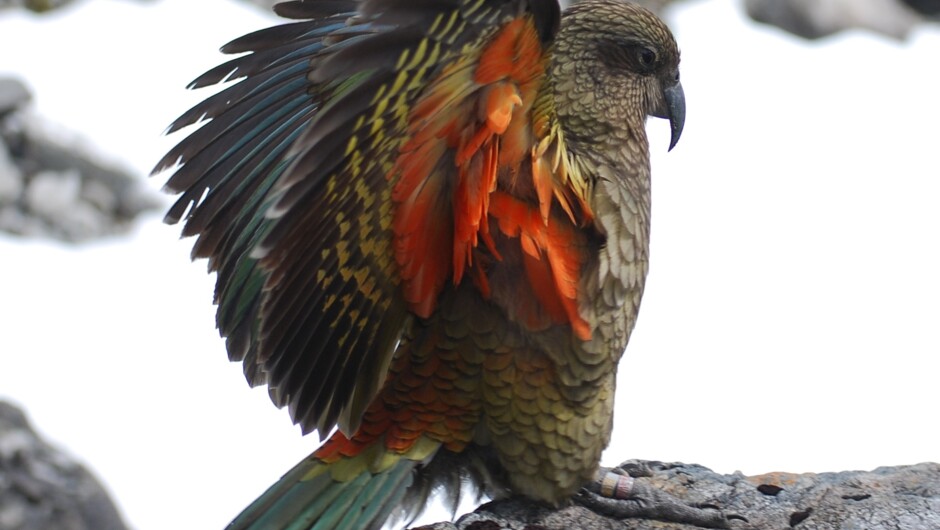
point(790, 320)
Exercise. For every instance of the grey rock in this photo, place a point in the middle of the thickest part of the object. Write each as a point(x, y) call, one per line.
point(56, 189)
point(887, 498)
point(13, 95)
point(11, 178)
point(929, 8)
point(42, 488)
point(813, 19)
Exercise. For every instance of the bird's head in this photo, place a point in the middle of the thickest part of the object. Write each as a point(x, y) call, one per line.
point(616, 63)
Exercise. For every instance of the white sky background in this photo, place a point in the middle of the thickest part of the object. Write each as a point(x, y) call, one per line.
point(790, 321)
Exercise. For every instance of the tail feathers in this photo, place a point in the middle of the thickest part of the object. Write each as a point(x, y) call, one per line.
point(309, 498)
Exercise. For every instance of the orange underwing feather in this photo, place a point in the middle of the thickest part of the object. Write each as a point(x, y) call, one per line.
point(458, 126)
point(554, 246)
point(417, 244)
point(474, 122)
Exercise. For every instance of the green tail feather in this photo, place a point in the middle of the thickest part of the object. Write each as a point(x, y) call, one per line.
point(323, 503)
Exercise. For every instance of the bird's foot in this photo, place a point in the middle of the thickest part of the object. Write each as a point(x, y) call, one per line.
point(624, 493)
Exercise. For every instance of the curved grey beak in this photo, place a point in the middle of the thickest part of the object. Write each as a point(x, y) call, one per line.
point(675, 110)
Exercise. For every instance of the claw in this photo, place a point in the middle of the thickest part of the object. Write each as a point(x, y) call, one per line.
point(618, 495)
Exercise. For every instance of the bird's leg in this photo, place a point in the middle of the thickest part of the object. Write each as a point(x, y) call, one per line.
point(623, 494)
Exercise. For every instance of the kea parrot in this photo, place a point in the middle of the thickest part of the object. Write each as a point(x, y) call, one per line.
point(430, 222)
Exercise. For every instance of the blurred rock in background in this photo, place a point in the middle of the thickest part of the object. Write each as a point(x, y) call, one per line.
point(55, 188)
point(42, 488)
point(813, 19)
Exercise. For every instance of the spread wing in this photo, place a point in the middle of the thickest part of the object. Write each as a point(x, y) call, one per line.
point(346, 179)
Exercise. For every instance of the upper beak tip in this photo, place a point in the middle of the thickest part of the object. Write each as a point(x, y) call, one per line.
point(675, 103)
point(673, 141)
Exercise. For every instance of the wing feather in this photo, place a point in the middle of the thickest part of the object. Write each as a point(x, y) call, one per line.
point(345, 179)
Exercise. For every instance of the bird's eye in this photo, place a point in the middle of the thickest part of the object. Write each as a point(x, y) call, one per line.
point(647, 57)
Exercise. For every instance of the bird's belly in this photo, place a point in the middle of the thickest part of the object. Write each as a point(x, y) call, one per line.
point(547, 437)
point(534, 402)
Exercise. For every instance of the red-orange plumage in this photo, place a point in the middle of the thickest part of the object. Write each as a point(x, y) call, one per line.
point(474, 118)
point(555, 277)
point(419, 399)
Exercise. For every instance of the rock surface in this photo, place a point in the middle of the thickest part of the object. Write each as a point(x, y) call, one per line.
point(888, 498)
point(42, 488)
